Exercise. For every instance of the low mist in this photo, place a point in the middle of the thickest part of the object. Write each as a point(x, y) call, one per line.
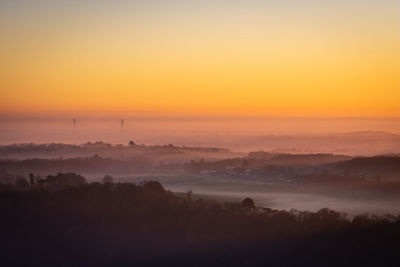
point(349, 136)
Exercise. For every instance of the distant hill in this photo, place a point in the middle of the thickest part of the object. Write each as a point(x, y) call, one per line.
point(165, 153)
point(365, 143)
point(297, 159)
point(93, 165)
point(371, 164)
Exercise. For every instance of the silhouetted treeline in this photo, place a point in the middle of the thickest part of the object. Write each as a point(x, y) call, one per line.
point(69, 222)
point(94, 164)
point(303, 168)
point(168, 153)
point(94, 147)
point(261, 159)
point(371, 164)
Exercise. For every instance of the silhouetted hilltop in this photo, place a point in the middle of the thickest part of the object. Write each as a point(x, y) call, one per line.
point(266, 160)
point(51, 147)
point(256, 164)
point(94, 164)
point(66, 221)
point(166, 153)
point(296, 159)
point(371, 164)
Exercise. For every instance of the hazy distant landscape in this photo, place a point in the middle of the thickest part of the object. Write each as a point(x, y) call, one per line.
point(154, 188)
point(199, 133)
point(282, 180)
point(344, 136)
point(149, 205)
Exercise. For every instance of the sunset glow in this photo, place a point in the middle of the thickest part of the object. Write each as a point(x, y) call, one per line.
point(341, 58)
point(200, 133)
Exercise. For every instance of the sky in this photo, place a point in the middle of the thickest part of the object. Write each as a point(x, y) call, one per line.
point(209, 58)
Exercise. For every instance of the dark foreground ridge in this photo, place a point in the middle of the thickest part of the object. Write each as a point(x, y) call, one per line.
point(64, 221)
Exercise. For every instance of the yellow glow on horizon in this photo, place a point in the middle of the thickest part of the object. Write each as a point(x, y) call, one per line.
point(217, 65)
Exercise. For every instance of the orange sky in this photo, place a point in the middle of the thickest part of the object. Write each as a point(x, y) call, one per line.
point(248, 58)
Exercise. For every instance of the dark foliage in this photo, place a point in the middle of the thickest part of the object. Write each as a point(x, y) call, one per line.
point(94, 164)
point(122, 224)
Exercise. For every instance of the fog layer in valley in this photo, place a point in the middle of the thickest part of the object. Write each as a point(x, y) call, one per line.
point(273, 179)
point(282, 196)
